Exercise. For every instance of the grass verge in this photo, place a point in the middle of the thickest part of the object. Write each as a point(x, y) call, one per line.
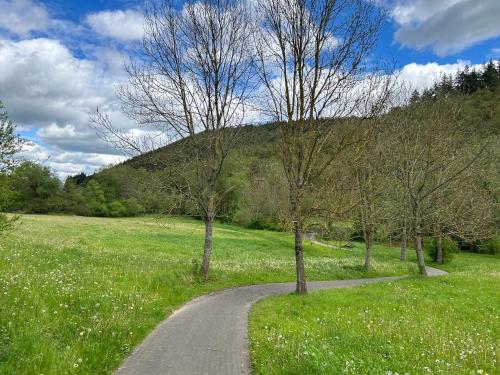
point(445, 325)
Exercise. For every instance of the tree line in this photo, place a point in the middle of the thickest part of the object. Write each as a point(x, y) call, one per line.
point(466, 81)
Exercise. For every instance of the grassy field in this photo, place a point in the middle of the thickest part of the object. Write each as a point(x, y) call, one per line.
point(77, 294)
point(446, 325)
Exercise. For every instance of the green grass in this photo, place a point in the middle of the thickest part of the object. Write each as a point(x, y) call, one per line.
point(77, 294)
point(445, 325)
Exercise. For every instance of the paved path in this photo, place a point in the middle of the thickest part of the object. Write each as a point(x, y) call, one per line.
point(208, 336)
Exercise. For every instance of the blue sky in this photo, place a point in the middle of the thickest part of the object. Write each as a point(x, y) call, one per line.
point(76, 11)
point(61, 59)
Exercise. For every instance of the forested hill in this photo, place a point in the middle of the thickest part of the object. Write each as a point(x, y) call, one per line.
point(253, 139)
point(254, 166)
point(481, 90)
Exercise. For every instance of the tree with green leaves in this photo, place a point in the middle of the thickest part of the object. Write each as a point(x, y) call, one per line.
point(490, 76)
point(37, 187)
point(10, 144)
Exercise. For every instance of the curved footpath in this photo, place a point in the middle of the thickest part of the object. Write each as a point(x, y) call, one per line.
point(208, 335)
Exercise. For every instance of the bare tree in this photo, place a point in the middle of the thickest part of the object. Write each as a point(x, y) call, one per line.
point(368, 175)
point(310, 60)
point(192, 83)
point(467, 209)
point(428, 159)
point(403, 205)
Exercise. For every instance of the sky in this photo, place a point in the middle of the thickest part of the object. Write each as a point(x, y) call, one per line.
point(61, 59)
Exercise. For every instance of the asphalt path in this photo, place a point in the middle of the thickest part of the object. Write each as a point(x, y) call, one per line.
point(209, 335)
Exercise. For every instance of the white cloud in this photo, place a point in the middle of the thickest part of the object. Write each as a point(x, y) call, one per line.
point(66, 163)
point(125, 25)
point(422, 76)
point(21, 17)
point(50, 92)
point(112, 60)
point(406, 12)
point(47, 83)
point(49, 88)
point(446, 26)
point(494, 53)
point(71, 138)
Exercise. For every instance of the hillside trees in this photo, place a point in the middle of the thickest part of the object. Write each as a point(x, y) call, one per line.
point(429, 161)
point(37, 188)
point(192, 84)
point(471, 208)
point(369, 183)
point(310, 60)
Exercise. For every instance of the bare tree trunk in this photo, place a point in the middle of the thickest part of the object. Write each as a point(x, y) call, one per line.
point(301, 287)
point(420, 255)
point(207, 248)
point(439, 246)
point(404, 235)
point(402, 257)
point(418, 241)
point(299, 262)
point(368, 250)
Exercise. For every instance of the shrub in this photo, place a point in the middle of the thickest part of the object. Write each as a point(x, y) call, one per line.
point(116, 209)
point(338, 233)
point(37, 188)
point(262, 223)
point(357, 231)
point(449, 246)
point(6, 222)
point(132, 207)
point(489, 247)
point(97, 209)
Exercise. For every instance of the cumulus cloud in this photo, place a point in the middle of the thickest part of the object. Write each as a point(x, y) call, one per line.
point(47, 83)
point(67, 163)
point(49, 93)
point(71, 138)
point(21, 17)
point(126, 25)
point(446, 26)
point(422, 76)
point(48, 87)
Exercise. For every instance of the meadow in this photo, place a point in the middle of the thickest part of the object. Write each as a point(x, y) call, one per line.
point(444, 325)
point(77, 294)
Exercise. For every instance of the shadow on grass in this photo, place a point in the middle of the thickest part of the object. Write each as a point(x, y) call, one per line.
point(354, 268)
